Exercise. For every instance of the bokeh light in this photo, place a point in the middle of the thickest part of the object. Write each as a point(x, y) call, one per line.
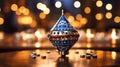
point(42, 15)
point(33, 24)
point(58, 4)
point(18, 12)
point(108, 6)
point(98, 16)
point(117, 19)
point(67, 14)
point(77, 4)
point(37, 44)
point(46, 11)
point(14, 7)
point(76, 24)
point(78, 17)
point(87, 10)
point(99, 3)
point(41, 6)
point(25, 20)
point(83, 21)
point(114, 55)
point(1, 20)
point(23, 10)
point(108, 15)
point(71, 18)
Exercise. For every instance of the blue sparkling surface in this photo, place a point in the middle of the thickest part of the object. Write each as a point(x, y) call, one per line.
point(60, 35)
point(62, 25)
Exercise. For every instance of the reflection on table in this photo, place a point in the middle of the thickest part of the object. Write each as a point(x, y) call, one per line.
point(53, 59)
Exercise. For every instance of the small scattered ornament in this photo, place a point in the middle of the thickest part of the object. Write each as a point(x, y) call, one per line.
point(43, 57)
point(82, 56)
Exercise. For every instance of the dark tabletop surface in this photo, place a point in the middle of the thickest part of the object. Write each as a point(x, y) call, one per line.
point(53, 59)
point(17, 53)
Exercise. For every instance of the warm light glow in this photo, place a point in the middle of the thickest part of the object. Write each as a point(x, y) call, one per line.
point(89, 45)
point(76, 24)
point(88, 50)
point(1, 35)
point(113, 38)
point(108, 15)
point(18, 12)
point(67, 14)
point(42, 15)
point(33, 24)
point(37, 44)
point(24, 44)
point(38, 34)
point(25, 20)
point(26, 12)
point(37, 51)
point(38, 5)
point(41, 6)
point(23, 10)
point(99, 3)
point(87, 10)
point(1, 20)
point(77, 4)
point(14, 7)
point(89, 33)
point(78, 17)
point(58, 4)
point(83, 21)
point(108, 6)
point(113, 43)
point(113, 55)
point(46, 11)
point(117, 19)
point(27, 36)
point(71, 18)
point(113, 34)
point(98, 16)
